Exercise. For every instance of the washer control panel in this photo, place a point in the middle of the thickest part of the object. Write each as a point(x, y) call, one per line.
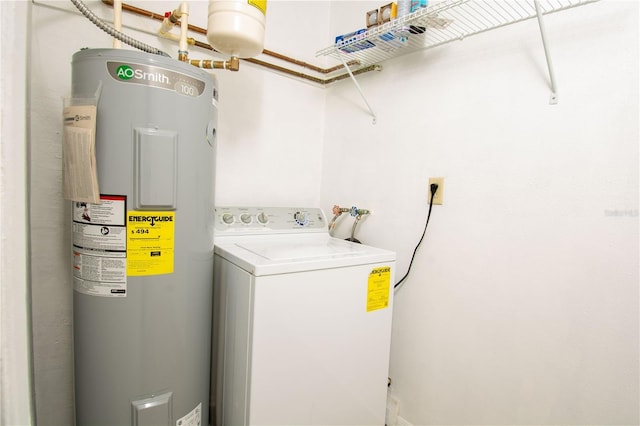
point(229, 220)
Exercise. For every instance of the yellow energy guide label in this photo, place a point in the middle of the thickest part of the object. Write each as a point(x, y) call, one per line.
point(150, 242)
point(260, 4)
point(378, 287)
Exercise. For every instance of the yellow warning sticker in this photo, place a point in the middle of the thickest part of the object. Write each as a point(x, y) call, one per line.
point(150, 243)
point(260, 4)
point(378, 288)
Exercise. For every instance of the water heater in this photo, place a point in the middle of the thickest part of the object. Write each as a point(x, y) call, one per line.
point(143, 255)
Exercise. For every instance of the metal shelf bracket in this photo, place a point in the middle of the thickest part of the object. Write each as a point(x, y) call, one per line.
point(554, 90)
point(364, 98)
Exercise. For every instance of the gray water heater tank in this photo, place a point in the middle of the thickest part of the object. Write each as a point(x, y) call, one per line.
point(143, 256)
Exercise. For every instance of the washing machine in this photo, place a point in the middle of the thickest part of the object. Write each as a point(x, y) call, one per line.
point(302, 321)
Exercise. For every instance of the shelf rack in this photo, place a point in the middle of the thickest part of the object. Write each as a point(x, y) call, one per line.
point(441, 23)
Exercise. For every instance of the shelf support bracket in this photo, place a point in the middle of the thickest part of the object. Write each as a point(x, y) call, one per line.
point(554, 91)
point(357, 86)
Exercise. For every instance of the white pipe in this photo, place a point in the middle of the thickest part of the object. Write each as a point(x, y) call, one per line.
point(117, 22)
point(79, 4)
point(180, 13)
point(169, 36)
point(165, 27)
point(184, 27)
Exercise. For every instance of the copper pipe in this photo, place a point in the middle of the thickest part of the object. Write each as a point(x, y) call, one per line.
point(338, 67)
point(284, 70)
point(277, 55)
point(309, 77)
point(356, 72)
point(200, 30)
point(136, 10)
point(202, 45)
point(291, 72)
point(306, 64)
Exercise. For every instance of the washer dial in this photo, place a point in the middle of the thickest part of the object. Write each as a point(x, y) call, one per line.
point(301, 218)
point(263, 218)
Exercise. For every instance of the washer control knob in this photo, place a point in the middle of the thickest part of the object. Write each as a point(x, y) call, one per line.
point(227, 218)
point(245, 218)
point(302, 218)
point(263, 218)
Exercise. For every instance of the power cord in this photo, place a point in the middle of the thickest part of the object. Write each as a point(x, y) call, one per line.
point(434, 189)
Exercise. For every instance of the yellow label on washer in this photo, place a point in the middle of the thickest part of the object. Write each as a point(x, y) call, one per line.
point(260, 4)
point(378, 288)
point(150, 242)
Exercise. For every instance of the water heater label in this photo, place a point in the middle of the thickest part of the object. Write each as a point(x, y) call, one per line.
point(378, 288)
point(150, 242)
point(80, 173)
point(100, 247)
point(148, 75)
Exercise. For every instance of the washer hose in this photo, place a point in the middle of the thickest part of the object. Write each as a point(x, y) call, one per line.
point(113, 32)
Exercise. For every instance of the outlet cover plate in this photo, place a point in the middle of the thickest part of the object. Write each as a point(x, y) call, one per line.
point(439, 198)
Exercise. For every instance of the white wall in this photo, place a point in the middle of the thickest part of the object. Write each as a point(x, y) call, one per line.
point(269, 152)
point(522, 305)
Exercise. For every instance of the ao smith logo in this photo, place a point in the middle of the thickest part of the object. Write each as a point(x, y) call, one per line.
point(77, 117)
point(152, 76)
point(151, 219)
point(126, 72)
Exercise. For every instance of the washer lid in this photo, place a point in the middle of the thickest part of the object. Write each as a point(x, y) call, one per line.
point(285, 254)
point(298, 250)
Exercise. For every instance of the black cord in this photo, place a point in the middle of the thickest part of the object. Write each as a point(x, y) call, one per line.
point(434, 189)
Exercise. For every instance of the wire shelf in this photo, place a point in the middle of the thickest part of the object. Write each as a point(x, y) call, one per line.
point(438, 24)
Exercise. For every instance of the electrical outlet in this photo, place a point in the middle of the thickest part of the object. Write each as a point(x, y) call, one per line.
point(439, 197)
